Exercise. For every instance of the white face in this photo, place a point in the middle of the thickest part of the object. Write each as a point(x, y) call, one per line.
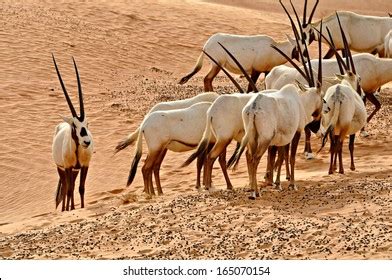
point(82, 132)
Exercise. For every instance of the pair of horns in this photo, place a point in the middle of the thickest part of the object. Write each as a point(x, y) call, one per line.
point(307, 73)
point(252, 84)
point(71, 107)
point(304, 23)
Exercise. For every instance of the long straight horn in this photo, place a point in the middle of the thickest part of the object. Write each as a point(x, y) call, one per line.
point(341, 69)
point(227, 73)
point(338, 57)
point(348, 51)
point(252, 84)
point(320, 68)
point(291, 20)
point(71, 107)
point(312, 13)
point(81, 118)
point(298, 21)
point(291, 62)
point(304, 14)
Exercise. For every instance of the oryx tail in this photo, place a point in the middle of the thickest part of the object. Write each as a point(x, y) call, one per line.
point(136, 159)
point(196, 69)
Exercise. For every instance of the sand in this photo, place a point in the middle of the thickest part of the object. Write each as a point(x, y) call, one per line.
point(130, 55)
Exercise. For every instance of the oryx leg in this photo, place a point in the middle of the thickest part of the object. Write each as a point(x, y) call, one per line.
point(218, 148)
point(294, 146)
point(157, 167)
point(308, 149)
point(254, 76)
point(351, 148)
point(83, 176)
point(340, 154)
point(69, 188)
point(210, 77)
point(278, 164)
point(62, 189)
point(222, 163)
point(74, 175)
point(255, 160)
point(269, 173)
point(376, 103)
point(147, 170)
point(286, 159)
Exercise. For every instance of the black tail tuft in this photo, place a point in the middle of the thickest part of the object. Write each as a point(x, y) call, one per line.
point(200, 151)
point(232, 158)
point(133, 170)
point(59, 195)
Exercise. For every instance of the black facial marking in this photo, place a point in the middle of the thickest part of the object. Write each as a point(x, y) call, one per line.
point(83, 132)
point(295, 54)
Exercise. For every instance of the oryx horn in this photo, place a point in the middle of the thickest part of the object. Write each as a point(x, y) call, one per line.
point(71, 107)
point(227, 73)
point(242, 68)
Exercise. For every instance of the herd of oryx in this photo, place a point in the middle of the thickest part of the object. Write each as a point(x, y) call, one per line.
point(330, 91)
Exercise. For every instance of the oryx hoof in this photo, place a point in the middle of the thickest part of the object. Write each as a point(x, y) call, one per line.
point(364, 133)
point(309, 156)
point(293, 187)
point(278, 186)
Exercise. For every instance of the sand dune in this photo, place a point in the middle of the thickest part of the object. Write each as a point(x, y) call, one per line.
point(130, 55)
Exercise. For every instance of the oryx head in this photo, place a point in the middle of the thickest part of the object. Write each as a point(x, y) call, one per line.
point(301, 36)
point(79, 124)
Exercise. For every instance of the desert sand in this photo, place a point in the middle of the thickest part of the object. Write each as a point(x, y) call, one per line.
point(130, 55)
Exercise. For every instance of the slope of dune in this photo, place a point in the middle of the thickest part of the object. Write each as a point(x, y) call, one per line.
point(130, 55)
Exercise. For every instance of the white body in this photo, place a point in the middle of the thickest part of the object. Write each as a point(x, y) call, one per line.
point(344, 113)
point(253, 52)
point(374, 72)
point(274, 118)
point(388, 44)
point(167, 106)
point(176, 130)
point(347, 113)
point(64, 148)
point(223, 124)
point(364, 33)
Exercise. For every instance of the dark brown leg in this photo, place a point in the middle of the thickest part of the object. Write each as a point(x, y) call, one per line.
point(376, 103)
point(222, 163)
point(157, 167)
point(286, 159)
point(341, 169)
point(308, 149)
point(61, 189)
point(74, 176)
point(210, 76)
point(216, 151)
point(83, 176)
point(269, 174)
point(69, 188)
point(332, 152)
point(254, 76)
point(281, 155)
point(351, 148)
point(294, 146)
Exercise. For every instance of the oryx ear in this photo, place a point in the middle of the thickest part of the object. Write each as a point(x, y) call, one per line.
point(68, 120)
point(291, 40)
point(339, 76)
point(300, 85)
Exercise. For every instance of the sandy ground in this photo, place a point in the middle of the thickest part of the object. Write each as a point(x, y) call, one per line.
point(130, 56)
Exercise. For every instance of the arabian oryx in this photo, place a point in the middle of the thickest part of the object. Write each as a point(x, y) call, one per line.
point(344, 113)
point(364, 33)
point(277, 119)
point(253, 52)
point(177, 130)
point(72, 149)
